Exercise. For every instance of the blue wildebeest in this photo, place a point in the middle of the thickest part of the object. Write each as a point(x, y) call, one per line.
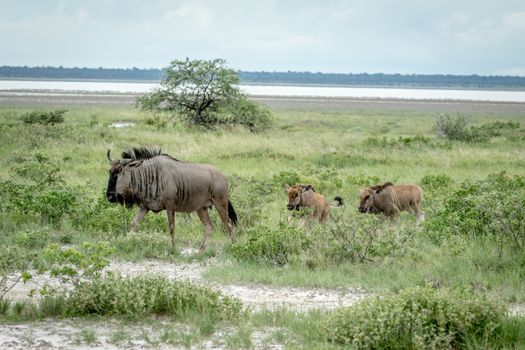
point(391, 199)
point(304, 196)
point(156, 181)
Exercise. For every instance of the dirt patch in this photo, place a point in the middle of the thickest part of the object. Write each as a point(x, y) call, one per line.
point(112, 334)
point(105, 334)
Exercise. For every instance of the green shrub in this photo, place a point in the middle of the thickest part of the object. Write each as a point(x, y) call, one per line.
point(74, 265)
point(385, 142)
point(455, 129)
point(242, 111)
point(493, 206)
point(416, 318)
point(363, 180)
point(250, 197)
point(5, 304)
point(436, 182)
point(37, 187)
point(450, 127)
point(44, 117)
point(271, 246)
point(360, 239)
point(283, 178)
point(102, 216)
point(141, 296)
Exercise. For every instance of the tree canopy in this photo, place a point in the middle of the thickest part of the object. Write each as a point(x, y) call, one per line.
point(205, 93)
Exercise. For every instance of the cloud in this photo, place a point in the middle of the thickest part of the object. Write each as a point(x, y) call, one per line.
point(408, 36)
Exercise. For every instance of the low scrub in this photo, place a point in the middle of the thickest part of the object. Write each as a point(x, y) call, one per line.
point(143, 296)
point(455, 128)
point(401, 141)
point(416, 318)
point(363, 238)
point(37, 188)
point(44, 117)
point(271, 246)
point(494, 207)
point(436, 182)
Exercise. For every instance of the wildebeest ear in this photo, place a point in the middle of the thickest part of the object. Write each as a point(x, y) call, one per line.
point(135, 163)
point(307, 187)
point(286, 187)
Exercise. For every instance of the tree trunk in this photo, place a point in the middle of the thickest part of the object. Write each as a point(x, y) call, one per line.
point(197, 117)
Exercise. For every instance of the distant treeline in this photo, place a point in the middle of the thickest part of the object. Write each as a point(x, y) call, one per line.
point(294, 78)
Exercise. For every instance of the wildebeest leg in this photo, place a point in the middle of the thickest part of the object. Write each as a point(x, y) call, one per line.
point(208, 226)
point(420, 217)
point(324, 216)
point(305, 223)
point(222, 209)
point(171, 225)
point(138, 218)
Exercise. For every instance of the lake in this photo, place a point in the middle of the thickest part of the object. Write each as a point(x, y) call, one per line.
point(279, 90)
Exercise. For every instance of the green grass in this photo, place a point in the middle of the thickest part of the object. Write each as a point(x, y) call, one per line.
point(338, 151)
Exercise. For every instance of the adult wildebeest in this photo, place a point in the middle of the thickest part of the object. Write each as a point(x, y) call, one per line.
point(391, 199)
point(156, 181)
point(304, 196)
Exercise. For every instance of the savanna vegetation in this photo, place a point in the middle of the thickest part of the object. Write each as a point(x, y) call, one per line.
point(447, 284)
point(298, 78)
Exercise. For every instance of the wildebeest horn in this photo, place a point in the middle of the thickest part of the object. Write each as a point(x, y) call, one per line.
point(109, 156)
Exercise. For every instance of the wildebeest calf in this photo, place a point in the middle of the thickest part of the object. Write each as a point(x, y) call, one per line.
point(304, 196)
point(391, 199)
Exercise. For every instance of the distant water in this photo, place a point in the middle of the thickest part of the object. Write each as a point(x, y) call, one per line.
point(269, 90)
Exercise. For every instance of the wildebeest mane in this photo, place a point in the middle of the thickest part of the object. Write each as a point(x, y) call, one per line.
point(381, 187)
point(141, 153)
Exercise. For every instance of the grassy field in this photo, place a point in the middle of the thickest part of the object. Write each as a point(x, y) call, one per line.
point(337, 150)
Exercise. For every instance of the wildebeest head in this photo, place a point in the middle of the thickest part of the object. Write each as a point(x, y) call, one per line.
point(367, 197)
point(366, 200)
point(294, 195)
point(119, 183)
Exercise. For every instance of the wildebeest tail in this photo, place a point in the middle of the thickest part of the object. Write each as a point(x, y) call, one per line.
point(231, 213)
point(339, 201)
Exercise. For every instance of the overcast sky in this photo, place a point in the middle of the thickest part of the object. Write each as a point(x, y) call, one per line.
point(485, 37)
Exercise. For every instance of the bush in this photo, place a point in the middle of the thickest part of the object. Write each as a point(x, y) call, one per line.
point(416, 318)
point(485, 132)
point(141, 296)
point(362, 238)
point(38, 188)
point(385, 142)
point(250, 197)
point(494, 206)
point(44, 117)
point(242, 111)
point(271, 246)
point(436, 182)
point(450, 127)
point(102, 216)
point(454, 128)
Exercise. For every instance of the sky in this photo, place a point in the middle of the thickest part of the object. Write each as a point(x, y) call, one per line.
point(484, 37)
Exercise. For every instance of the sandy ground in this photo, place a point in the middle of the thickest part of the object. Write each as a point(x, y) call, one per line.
point(254, 297)
point(75, 334)
point(103, 333)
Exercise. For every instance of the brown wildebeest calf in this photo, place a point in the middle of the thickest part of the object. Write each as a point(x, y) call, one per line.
point(391, 199)
point(304, 196)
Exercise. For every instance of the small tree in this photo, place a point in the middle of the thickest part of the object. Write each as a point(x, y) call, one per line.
point(204, 93)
